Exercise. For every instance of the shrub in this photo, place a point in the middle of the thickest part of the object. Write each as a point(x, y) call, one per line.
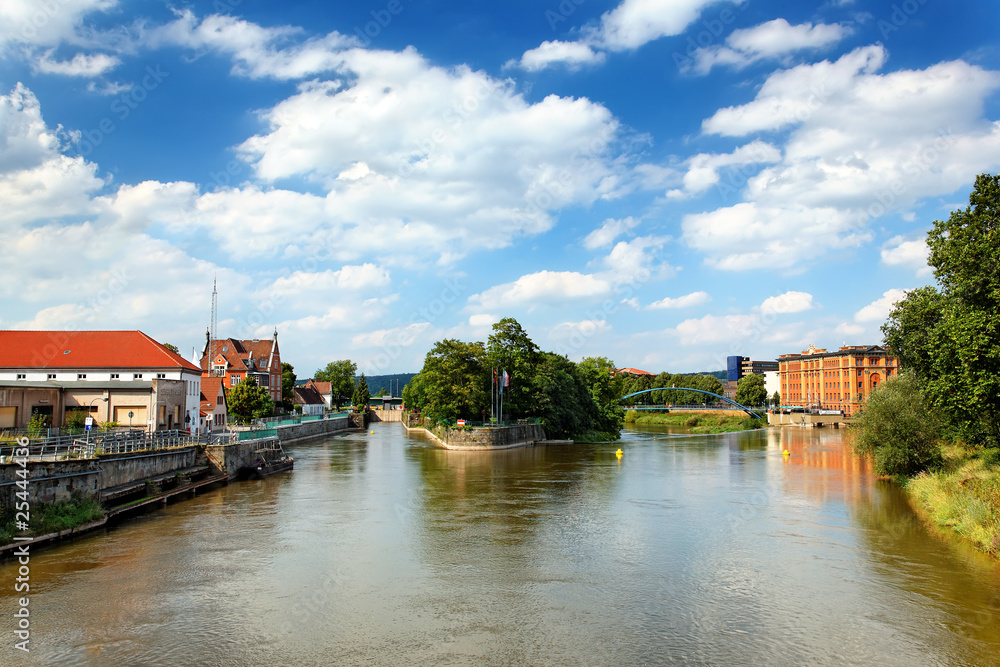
point(899, 429)
point(692, 421)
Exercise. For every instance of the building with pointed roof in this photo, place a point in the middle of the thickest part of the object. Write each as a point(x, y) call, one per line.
point(233, 360)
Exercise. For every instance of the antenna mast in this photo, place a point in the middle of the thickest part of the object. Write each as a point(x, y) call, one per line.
point(215, 319)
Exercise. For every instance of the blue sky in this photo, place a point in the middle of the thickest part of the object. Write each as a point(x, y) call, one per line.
point(661, 182)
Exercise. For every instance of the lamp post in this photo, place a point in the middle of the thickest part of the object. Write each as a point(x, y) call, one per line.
point(91, 419)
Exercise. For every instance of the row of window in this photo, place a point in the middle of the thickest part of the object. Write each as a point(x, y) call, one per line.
point(83, 376)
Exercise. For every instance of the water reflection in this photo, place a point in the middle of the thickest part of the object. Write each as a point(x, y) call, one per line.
point(380, 549)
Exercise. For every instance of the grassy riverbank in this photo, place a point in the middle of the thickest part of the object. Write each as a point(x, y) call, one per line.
point(53, 517)
point(963, 495)
point(698, 423)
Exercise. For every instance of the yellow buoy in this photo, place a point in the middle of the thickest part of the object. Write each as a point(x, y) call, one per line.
point(619, 453)
point(785, 452)
point(371, 431)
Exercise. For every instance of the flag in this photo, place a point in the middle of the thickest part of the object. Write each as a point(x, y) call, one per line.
point(506, 379)
point(494, 376)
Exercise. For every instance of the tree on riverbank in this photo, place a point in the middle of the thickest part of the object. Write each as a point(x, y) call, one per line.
point(361, 395)
point(899, 429)
point(248, 401)
point(750, 390)
point(340, 375)
point(950, 338)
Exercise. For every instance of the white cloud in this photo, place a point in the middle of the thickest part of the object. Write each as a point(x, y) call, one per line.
point(716, 329)
point(748, 236)
point(81, 65)
point(608, 232)
point(571, 54)
point(789, 302)
point(686, 301)
point(628, 26)
point(33, 23)
point(910, 254)
point(257, 52)
point(539, 287)
point(635, 260)
point(453, 159)
point(483, 320)
point(860, 144)
point(879, 309)
point(636, 22)
point(703, 169)
point(773, 39)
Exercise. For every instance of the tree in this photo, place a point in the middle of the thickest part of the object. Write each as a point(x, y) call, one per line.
point(899, 428)
point(172, 348)
point(287, 385)
point(750, 390)
point(361, 395)
point(510, 349)
point(248, 401)
point(454, 381)
point(776, 399)
point(562, 400)
point(605, 389)
point(951, 338)
point(340, 375)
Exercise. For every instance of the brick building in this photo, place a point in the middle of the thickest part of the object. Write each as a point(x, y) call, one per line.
point(232, 360)
point(840, 380)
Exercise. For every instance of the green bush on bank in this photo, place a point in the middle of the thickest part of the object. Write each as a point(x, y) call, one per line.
point(53, 517)
point(899, 429)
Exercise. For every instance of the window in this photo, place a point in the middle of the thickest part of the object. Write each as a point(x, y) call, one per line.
point(218, 400)
point(21, 376)
point(114, 376)
point(234, 380)
point(81, 376)
point(161, 376)
point(50, 376)
point(136, 376)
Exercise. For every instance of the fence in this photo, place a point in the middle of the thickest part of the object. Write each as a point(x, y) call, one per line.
point(117, 442)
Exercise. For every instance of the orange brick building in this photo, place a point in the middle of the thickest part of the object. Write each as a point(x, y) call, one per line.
point(840, 380)
point(234, 360)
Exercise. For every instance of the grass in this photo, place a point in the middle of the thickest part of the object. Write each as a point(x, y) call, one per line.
point(698, 423)
point(53, 517)
point(963, 495)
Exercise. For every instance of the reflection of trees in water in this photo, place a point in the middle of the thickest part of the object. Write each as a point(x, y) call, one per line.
point(941, 576)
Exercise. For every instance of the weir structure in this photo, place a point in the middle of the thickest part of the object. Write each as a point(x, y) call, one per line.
point(739, 406)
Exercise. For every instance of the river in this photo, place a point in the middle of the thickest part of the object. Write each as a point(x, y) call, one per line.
point(379, 549)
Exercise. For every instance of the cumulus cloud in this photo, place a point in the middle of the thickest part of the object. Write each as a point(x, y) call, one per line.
point(859, 144)
point(686, 301)
point(608, 232)
point(540, 287)
point(32, 23)
point(571, 54)
point(878, 310)
point(703, 169)
point(82, 64)
point(909, 254)
point(716, 329)
point(773, 39)
point(628, 26)
point(789, 302)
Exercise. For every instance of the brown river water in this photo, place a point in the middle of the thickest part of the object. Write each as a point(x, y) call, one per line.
point(379, 549)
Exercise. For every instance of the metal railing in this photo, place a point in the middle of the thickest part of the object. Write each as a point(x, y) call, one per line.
point(116, 442)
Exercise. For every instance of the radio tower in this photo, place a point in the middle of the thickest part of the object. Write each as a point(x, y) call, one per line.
point(215, 320)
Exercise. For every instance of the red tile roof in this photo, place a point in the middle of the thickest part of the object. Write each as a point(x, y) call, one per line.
point(239, 352)
point(307, 395)
point(86, 349)
point(634, 371)
point(323, 388)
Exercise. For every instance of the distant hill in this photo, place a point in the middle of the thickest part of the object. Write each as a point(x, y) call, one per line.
point(391, 383)
point(722, 375)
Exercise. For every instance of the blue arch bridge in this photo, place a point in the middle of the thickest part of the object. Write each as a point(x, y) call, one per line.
point(733, 403)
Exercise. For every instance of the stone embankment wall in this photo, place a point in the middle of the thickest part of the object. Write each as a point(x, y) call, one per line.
point(313, 429)
point(379, 415)
point(49, 481)
point(488, 438)
point(118, 470)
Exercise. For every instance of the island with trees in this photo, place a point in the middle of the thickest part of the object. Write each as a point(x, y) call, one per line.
point(570, 400)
